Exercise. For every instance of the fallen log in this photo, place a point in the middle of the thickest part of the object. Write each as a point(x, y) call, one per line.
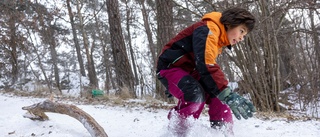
point(37, 112)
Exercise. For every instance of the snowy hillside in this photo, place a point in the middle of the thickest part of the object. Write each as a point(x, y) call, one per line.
point(135, 122)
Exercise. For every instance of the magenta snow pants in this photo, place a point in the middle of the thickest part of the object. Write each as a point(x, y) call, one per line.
point(192, 98)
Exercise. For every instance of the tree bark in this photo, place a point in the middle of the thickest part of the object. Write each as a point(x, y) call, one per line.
point(37, 112)
point(91, 69)
point(48, 39)
point(164, 34)
point(54, 58)
point(76, 40)
point(120, 57)
point(315, 36)
point(128, 21)
point(146, 23)
point(13, 46)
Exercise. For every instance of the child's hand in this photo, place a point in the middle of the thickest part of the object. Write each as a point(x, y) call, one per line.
point(238, 104)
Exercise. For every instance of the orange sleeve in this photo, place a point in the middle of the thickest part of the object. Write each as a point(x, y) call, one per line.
point(212, 48)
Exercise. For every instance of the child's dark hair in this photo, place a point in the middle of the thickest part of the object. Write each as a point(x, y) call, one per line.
point(238, 16)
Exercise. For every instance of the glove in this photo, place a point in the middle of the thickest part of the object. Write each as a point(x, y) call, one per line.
point(238, 104)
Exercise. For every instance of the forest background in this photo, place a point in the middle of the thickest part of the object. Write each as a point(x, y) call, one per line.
point(77, 46)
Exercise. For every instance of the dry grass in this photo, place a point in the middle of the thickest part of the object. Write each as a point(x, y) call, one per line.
point(286, 116)
point(125, 93)
point(39, 91)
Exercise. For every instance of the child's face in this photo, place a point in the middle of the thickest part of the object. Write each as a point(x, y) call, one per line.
point(237, 34)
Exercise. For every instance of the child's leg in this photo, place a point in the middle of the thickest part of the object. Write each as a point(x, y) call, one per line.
point(186, 89)
point(219, 113)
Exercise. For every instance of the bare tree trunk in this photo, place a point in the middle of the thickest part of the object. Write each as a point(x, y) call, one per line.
point(121, 61)
point(103, 40)
point(315, 30)
point(13, 47)
point(315, 74)
point(259, 59)
point(164, 34)
point(48, 38)
point(37, 112)
point(42, 70)
point(128, 21)
point(54, 58)
point(91, 69)
point(76, 40)
point(48, 35)
point(146, 23)
point(108, 67)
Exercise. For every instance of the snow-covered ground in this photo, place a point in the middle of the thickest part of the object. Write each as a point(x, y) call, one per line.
point(134, 122)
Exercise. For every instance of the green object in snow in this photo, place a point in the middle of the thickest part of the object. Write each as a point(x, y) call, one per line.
point(96, 93)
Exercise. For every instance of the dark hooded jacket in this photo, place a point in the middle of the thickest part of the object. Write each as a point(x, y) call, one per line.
point(196, 48)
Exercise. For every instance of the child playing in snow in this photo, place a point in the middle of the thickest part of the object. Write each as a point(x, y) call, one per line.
point(187, 67)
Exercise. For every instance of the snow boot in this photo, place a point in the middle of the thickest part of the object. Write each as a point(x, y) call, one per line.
point(220, 125)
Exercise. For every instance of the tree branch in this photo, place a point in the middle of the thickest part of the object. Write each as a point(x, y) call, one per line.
point(37, 112)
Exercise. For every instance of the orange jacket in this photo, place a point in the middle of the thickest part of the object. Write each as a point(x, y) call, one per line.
point(217, 37)
point(196, 48)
